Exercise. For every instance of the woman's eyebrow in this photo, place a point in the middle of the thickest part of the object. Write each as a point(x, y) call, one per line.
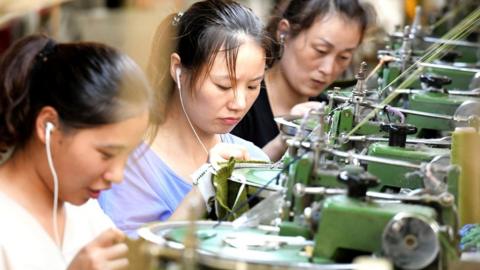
point(111, 146)
point(327, 43)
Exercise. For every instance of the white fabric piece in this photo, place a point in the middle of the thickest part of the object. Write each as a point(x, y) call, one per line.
point(203, 178)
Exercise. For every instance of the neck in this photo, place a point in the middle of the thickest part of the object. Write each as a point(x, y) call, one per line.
point(21, 179)
point(177, 132)
point(281, 94)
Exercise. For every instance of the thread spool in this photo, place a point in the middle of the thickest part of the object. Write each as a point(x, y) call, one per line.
point(466, 154)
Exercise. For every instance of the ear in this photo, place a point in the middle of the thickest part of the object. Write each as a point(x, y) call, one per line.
point(46, 115)
point(283, 28)
point(175, 63)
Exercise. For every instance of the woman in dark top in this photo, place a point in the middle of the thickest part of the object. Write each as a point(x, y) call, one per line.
point(316, 40)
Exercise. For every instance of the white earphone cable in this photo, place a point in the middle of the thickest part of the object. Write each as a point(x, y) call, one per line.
point(186, 115)
point(48, 130)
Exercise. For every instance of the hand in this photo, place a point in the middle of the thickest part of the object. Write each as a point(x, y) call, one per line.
point(106, 252)
point(222, 152)
point(303, 108)
point(202, 178)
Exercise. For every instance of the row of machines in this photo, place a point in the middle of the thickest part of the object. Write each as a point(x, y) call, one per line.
point(376, 178)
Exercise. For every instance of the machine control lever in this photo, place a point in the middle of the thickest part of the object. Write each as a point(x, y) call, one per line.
point(434, 81)
point(358, 182)
point(397, 133)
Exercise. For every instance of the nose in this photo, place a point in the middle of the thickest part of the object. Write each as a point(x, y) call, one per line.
point(239, 101)
point(327, 65)
point(115, 173)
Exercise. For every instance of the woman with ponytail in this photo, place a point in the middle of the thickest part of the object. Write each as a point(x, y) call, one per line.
point(206, 67)
point(70, 114)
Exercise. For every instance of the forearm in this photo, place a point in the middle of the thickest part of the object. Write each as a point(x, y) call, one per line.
point(275, 148)
point(192, 204)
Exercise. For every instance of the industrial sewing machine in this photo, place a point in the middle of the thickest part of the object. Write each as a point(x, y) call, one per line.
point(319, 228)
point(349, 185)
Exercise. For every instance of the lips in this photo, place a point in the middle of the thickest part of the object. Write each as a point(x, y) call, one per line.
point(230, 120)
point(317, 82)
point(94, 194)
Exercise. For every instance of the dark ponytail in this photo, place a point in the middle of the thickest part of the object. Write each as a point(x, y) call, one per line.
point(15, 104)
point(158, 70)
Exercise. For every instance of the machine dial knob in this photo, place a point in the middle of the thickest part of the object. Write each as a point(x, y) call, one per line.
point(411, 241)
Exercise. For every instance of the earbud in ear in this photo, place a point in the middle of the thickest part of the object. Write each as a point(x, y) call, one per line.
point(178, 72)
point(49, 127)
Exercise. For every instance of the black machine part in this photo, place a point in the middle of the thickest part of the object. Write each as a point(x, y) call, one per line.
point(397, 133)
point(434, 81)
point(411, 241)
point(450, 56)
point(357, 182)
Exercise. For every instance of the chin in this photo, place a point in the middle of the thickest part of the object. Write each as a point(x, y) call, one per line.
point(313, 92)
point(222, 129)
point(78, 201)
point(226, 130)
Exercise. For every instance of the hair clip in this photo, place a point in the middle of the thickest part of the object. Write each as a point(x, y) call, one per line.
point(47, 50)
point(176, 19)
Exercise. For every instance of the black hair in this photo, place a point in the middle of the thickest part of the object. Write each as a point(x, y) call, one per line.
point(88, 84)
point(197, 35)
point(301, 14)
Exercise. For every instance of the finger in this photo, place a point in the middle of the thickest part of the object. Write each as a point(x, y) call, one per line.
point(236, 151)
point(117, 264)
point(216, 157)
point(223, 152)
point(109, 237)
point(114, 252)
point(242, 154)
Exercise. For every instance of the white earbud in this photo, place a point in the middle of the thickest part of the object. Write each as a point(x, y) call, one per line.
point(178, 72)
point(48, 128)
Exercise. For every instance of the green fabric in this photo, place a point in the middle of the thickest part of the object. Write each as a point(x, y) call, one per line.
point(227, 191)
point(470, 240)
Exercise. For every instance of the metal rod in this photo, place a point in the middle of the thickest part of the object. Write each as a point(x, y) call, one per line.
point(444, 41)
point(441, 141)
point(300, 190)
point(407, 111)
point(374, 159)
point(423, 64)
point(470, 93)
point(445, 198)
point(451, 42)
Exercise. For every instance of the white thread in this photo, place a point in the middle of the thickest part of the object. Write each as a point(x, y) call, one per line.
point(185, 112)
point(48, 130)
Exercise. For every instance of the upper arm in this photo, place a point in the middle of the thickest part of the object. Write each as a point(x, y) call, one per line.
point(4, 263)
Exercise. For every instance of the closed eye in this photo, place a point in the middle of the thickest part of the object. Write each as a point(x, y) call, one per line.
point(345, 57)
point(254, 87)
point(106, 155)
point(223, 87)
point(321, 52)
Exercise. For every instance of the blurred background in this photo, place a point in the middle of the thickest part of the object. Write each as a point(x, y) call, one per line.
point(129, 25)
